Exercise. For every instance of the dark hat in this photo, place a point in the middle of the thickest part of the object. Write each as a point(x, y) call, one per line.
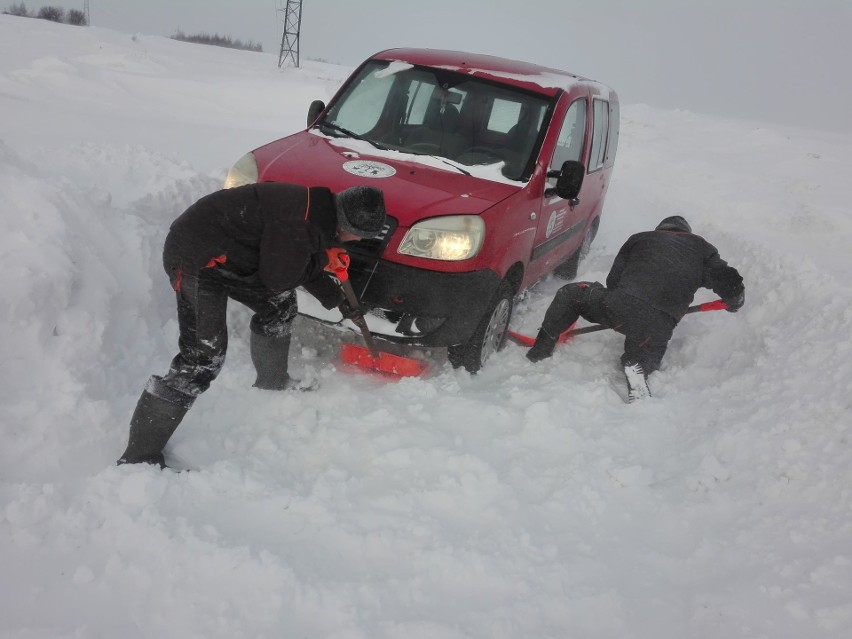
point(674, 223)
point(361, 210)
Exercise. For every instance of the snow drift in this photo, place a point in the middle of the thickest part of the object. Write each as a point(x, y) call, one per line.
point(525, 501)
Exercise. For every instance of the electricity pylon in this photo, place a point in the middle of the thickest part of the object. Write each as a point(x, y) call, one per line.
point(290, 38)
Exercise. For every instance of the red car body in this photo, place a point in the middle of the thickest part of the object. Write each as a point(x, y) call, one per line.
point(498, 159)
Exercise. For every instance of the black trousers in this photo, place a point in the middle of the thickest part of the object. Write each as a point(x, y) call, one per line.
point(202, 300)
point(646, 330)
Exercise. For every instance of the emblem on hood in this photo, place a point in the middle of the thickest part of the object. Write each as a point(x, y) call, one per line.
point(369, 169)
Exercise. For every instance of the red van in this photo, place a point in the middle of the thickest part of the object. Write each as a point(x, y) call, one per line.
point(494, 174)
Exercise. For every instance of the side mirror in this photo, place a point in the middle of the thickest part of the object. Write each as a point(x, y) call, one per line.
point(317, 107)
point(569, 180)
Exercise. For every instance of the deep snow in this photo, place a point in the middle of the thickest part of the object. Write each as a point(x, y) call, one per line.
point(525, 501)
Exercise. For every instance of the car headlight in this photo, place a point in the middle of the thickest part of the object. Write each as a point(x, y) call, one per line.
point(243, 172)
point(451, 238)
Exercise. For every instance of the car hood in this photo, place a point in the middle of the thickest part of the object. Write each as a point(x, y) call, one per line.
point(415, 186)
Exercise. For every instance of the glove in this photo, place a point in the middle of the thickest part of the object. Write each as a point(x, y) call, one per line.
point(735, 303)
point(338, 262)
point(348, 312)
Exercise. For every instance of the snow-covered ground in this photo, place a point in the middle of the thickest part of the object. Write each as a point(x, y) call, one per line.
point(528, 501)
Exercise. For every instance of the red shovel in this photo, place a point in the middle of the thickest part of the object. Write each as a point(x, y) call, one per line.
point(370, 357)
point(525, 340)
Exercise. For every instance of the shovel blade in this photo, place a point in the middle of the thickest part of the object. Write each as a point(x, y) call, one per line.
point(383, 363)
point(520, 338)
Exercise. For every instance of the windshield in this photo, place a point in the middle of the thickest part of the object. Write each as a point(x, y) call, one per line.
point(445, 114)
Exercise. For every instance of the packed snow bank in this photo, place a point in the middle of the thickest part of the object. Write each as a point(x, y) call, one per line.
point(526, 501)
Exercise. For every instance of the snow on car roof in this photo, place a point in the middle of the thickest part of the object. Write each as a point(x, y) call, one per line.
point(522, 74)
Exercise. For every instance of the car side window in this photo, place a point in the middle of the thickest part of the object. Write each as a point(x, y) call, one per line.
point(572, 136)
point(612, 143)
point(421, 93)
point(504, 115)
point(600, 133)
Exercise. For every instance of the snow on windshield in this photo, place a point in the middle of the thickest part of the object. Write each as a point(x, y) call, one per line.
point(492, 172)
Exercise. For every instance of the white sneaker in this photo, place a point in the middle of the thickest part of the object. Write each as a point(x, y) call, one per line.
point(637, 383)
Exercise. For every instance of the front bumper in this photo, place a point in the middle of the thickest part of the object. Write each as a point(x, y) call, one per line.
point(426, 308)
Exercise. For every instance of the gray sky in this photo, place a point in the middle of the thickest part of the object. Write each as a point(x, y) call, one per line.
point(784, 61)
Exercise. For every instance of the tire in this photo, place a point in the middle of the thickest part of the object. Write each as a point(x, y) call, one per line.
point(568, 269)
point(489, 336)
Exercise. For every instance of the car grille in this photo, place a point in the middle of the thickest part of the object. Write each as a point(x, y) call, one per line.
point(365, 255)
point(373, 247)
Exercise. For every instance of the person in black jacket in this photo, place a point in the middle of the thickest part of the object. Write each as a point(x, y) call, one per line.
point(648, 290)
point(254, 244)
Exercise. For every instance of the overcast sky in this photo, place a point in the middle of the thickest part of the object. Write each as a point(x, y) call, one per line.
point(780, 60)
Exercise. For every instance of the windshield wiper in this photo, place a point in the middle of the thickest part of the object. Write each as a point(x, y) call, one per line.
point(444, 160)
point(455, 166)
point(352, 134)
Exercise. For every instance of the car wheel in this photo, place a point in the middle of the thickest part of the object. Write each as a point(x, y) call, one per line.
point(489, 336)
point(568, 269)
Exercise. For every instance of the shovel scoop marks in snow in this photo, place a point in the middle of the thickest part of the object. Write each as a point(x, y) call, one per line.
point(370, 357)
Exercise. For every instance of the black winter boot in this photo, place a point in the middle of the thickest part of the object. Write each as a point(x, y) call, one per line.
point(543, 347)
point(270, 354)
point(153, 423)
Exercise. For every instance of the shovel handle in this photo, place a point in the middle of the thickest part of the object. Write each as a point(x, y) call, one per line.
point(715, 305)
point(338, 265)
point(360, 322)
